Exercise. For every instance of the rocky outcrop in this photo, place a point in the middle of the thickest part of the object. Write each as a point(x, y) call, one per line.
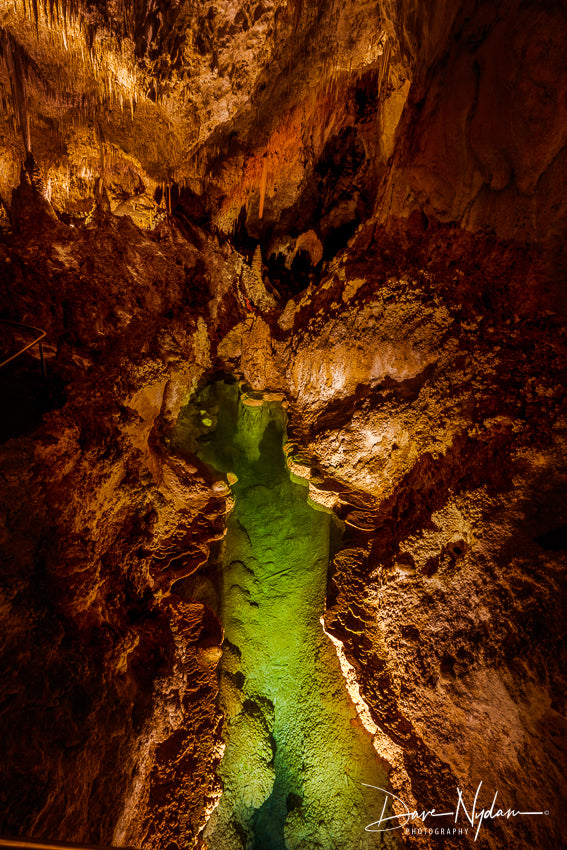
point(482, 139)
point(99, 672)
point(392, 176)
point(425, 379)
point(109, 692)
point(436, 430)
point(286, 118)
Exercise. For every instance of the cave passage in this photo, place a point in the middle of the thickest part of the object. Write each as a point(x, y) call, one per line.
point(296, 757)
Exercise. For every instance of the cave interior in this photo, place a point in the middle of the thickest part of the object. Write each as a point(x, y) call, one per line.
point(283, 505)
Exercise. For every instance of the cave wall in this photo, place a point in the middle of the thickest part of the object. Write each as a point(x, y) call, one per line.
point(109, 682)
point(448, 428)
point(457, 109)
point(482, 140)
point(411, 157)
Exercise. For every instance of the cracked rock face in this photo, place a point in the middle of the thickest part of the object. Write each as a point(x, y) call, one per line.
point(358, 209)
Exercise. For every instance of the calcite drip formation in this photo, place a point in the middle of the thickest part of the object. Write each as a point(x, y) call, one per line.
point(356, 209)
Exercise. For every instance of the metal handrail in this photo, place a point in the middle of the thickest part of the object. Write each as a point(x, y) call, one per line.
point(38, 339)
point(33, 844)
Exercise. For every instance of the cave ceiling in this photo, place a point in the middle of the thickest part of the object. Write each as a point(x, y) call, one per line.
point(289, 115)
point(196, 93)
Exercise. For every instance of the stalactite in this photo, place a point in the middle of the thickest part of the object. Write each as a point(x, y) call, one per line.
point(11, 53)
point(263, 181)
point(257, 264)
point(100, 135)
point(297, 8)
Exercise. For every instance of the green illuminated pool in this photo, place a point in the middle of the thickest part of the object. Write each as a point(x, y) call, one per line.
point(296, 757)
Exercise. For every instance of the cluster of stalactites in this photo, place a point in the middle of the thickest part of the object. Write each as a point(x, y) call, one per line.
point(139, 21)
point(17, 64)
point(99, 73)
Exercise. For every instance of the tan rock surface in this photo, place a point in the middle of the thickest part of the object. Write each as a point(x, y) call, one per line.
point(357, 206)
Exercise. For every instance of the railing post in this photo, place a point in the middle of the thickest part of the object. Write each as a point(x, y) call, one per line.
point(28, 346)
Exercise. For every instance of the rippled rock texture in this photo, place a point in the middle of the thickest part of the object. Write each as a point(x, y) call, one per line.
point(426, 406)
point(359, 208)
point(298, 763)
point(448, 428)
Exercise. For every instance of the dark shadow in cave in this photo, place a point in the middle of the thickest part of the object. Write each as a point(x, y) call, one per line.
point(26, 397)
point(269, 819)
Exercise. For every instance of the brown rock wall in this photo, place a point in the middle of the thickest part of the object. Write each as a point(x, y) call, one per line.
point(409, 161)
point(109, 690)
point(449, 596)
point(484, 125)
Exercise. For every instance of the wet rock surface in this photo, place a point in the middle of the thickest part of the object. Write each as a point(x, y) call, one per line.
point(432, 423)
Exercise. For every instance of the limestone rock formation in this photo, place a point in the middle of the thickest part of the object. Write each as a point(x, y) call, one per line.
point(357, 209)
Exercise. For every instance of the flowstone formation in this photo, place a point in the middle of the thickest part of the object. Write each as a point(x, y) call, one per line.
point(357, 208)
point(298, 762)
